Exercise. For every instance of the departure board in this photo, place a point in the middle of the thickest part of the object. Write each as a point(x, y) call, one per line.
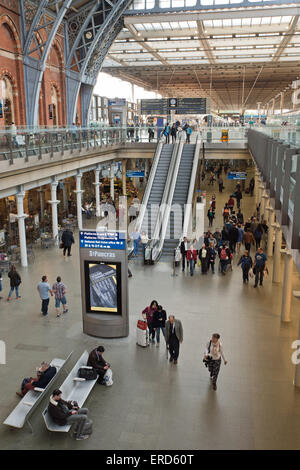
point(164, 106)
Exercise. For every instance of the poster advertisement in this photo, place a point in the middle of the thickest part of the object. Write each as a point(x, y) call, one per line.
point(103, 287)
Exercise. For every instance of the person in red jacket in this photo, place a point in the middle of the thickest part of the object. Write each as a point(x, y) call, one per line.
point(149, 313)
point(231, 204)
point(191, 256)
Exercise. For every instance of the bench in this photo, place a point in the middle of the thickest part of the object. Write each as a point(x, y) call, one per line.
point(20, 415)
point(73, 389)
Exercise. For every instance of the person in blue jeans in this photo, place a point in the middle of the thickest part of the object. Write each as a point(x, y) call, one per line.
point(136, 237)
point(159, 322)
point(15, 281)
point(260, 266)
point(44, 289)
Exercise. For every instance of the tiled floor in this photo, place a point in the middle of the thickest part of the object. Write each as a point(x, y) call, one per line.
point(152, 404)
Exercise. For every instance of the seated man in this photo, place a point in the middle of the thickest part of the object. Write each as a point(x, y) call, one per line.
point(97, 362)
point(66, 412)
point(45, 374)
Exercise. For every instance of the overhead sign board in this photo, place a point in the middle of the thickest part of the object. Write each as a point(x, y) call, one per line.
point(102, 240)
point(135, 174)
point(180, 105)
point(237, 175)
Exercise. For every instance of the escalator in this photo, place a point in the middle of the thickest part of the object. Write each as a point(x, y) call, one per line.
point(157, 190)
point(180, 197)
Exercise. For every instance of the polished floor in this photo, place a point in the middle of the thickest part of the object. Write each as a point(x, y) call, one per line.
point(154, 404)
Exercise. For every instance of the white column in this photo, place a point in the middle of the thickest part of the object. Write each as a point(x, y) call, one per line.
point(54, 203)
point(124, 187)
point(277, 254)
point(65, 196)
point(259, 109)
point(287, 287)
point(112, 185)
point(78, 193)
point(41, 192)
point(264, 203)
point(97, 191)
point(281, 101)
point(270, 231)
point(261, 189)
point(21, 225)
point(297, 368)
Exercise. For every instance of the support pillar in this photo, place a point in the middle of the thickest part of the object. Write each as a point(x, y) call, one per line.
point(78, 193)
point(270, 232)
point(124, 187)
point(264, 203)
point(42, 206)
point(65, 196)
point(297, 368)
point(97, 191)
point(281, 101)
point(112, 183)
point(287, 287)
point(261, 189)
point(21, 225)
point(277, 254)
point(54, 202)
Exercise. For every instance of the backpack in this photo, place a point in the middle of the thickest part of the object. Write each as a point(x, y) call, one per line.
point(226, 211)
point(223, 255)
point(87, 374)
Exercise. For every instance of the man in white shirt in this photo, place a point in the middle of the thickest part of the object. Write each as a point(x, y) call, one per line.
point(212, 358)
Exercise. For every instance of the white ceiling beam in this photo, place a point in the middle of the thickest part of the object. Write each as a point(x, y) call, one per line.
point(148, 48)
point(286, 39)
point(213, 15)
point(205, 43)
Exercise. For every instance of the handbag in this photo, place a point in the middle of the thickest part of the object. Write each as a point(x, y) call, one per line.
point(87, 374)
point(61, 245)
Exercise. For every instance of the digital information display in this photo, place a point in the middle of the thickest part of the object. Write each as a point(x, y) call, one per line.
point(179, 105)
point(103, 287)
point(102, 240)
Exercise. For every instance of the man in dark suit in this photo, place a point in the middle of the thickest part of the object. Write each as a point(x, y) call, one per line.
point(183, 250)
point(174, 336)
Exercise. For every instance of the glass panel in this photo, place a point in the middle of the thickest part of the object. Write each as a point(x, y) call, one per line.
point(139, 4)
point(150, 4)
point(292, 191)
point(177, 3)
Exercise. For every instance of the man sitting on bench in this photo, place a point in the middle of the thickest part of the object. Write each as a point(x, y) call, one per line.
point(66, 412)
point(45, 374)
point(97, 362)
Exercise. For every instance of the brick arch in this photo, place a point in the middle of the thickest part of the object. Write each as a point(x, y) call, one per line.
point(6, 20)
point(57, 46)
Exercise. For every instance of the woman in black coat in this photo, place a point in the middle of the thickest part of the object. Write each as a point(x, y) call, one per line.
point(67, 240)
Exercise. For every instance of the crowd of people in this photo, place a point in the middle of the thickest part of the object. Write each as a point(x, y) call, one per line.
point(172, 331)
point(174, 129)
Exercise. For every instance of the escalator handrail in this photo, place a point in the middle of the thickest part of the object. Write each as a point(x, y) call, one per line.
point(189, 202)
point(150, 181)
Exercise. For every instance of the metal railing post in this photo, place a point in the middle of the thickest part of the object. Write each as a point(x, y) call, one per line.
point(40, 146)
point(26, 147)
point(51, 145)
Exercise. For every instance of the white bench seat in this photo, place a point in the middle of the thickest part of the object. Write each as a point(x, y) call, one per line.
point(29, 402)
point(72, 390)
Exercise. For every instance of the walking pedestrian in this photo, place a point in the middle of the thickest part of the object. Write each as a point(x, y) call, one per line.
point(246, 264)
point(159, 323)
point(173, 133)
point(67, 241)
point(15, 281)
point(212, 358)
point(210, 216)
point(260, 266)
point(44, 289)
point(191, 256)
point(212, 253)
point(204, 258)
point(59, 290)
point(183, 251)
point(248, 239)
point(174, 337)
point(148, 312)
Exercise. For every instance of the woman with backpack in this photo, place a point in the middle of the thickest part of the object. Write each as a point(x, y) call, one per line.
point(224, 255)
point(15, 281)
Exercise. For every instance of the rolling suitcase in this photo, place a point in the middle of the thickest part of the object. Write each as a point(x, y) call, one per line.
point(142, 334)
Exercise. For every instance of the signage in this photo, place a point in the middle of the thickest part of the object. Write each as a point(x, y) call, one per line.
point(102, 240)
point(181, 106)
point(135, 174)
point(117, 102)
point(237, 175)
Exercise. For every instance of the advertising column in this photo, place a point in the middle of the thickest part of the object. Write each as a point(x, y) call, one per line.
point(104, 283)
